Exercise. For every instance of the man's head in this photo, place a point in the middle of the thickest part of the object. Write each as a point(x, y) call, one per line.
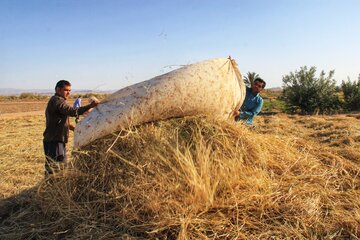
point(63, 88)
point(258, 86)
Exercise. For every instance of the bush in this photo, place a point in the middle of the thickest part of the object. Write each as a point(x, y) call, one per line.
point(6, 98)
point(305, 93)
point(351, 92)
point(32, 96)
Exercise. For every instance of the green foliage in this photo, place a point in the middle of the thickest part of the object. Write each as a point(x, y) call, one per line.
point(274, 105)
point(249, 78)
point(351, 91)
point(267, 93)
point(272, 101)
point(305, 93)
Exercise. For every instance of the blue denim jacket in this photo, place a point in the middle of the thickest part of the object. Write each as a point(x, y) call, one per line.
point(251, 107)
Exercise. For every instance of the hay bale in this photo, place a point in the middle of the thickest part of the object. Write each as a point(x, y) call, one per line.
point(214, 88)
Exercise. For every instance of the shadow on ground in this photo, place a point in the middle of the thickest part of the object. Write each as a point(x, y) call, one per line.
point(21, 217)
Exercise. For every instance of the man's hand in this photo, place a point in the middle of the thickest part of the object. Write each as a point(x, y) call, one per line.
point(94, 101)
point(236, 113)
point(71, 127)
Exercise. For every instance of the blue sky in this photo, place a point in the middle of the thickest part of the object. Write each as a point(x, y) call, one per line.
point(108, 44)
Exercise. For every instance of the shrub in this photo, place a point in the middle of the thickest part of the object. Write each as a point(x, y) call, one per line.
point(32, 96)
point(351, 92)
point(6, 98)
point(308, 94)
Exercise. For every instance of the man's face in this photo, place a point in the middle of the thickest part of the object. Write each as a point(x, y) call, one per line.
point(64, 91)
point(257, 87)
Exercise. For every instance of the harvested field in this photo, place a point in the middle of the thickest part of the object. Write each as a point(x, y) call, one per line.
point(289, 177)
point(19, 107)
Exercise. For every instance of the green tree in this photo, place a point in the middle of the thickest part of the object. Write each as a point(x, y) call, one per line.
point(250, 77)
point(351, 92)
point(308, 94)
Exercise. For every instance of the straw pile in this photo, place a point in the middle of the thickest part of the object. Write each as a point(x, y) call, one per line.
point(193, 178)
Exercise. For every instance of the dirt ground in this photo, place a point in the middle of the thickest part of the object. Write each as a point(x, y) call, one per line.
point(7, 107)
point(21, 155)
point(15, 109)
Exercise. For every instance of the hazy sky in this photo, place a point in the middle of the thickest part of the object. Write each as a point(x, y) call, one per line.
point(110, 44)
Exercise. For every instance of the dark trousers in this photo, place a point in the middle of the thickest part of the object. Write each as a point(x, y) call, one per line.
point(55, 153)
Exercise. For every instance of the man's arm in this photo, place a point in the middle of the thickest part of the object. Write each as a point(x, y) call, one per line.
point(65, 109)
point(253, 112)
point(83, 109)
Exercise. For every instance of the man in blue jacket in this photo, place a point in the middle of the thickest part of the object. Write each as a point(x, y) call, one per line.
point(253, 102)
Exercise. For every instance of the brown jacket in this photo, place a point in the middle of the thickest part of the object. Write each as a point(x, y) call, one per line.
point(57, 119)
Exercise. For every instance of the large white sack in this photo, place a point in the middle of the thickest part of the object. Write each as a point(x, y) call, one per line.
point(214, 88)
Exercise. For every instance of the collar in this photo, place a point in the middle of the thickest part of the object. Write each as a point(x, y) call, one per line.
point(250, 91)
point(59, 96)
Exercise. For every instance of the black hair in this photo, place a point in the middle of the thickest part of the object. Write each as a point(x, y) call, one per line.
point(62, 83)
point(260, 80)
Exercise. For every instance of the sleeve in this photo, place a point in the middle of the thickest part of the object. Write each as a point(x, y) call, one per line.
point(65, 109)
point(254, 111)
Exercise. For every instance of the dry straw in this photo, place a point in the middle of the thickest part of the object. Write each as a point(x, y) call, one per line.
point(194, 178)
point(198, 179)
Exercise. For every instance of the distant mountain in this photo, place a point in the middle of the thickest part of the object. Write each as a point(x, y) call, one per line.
point(17, 91)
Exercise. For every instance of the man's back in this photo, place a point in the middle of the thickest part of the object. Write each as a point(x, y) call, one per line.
point(56, 122)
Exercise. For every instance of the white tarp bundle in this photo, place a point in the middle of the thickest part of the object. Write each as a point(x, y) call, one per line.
point(213, 88)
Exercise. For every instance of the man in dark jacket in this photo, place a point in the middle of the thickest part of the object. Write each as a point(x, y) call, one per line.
point(56, 133)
